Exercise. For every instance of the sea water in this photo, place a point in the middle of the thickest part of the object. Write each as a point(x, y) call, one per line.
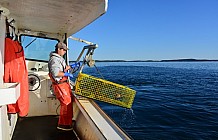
point(174, 100)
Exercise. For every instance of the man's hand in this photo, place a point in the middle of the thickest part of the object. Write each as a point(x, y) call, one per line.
point(68, 74)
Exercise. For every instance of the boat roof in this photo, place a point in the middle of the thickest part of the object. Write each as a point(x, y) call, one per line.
point(54, 16)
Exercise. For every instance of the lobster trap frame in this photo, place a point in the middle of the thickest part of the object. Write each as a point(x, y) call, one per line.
point(103, 90)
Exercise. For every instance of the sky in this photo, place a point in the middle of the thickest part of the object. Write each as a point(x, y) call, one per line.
point(153, 30)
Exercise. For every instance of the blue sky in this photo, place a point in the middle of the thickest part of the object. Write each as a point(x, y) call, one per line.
point(153, 30)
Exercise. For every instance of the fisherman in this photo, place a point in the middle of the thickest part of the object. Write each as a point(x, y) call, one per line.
point(58, 72)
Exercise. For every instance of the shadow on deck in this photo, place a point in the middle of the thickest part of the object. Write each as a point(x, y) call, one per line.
point(40, 128)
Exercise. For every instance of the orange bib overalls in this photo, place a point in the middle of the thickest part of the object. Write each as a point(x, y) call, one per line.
point(15, 71)
point(63, 93)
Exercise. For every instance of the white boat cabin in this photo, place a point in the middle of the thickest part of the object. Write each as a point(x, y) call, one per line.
point(38, 25)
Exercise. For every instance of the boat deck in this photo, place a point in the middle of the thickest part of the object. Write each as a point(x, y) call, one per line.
point(40, 128)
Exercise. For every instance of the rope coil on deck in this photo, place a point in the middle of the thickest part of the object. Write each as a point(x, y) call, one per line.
point(103, 90)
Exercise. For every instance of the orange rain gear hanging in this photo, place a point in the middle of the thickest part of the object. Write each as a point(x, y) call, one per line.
point(15, 71)
point(64, 94)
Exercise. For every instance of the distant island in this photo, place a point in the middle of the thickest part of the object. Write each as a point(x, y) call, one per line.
point(173, 60)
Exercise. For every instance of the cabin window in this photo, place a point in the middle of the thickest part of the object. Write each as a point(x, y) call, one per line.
point(36, 48)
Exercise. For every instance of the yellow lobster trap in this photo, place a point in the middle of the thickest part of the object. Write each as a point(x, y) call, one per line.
point(103, 90)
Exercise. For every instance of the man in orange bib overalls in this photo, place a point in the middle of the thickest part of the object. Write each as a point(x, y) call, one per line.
point(59, 77)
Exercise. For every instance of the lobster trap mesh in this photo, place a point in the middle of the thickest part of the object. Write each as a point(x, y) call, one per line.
point(103, 90)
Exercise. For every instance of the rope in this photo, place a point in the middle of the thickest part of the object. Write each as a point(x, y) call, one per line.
point(98, 71)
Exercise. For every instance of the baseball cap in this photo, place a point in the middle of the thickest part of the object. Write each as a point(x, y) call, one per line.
point(61, 45)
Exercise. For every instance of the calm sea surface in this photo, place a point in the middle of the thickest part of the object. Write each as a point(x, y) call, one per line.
point(174, 100)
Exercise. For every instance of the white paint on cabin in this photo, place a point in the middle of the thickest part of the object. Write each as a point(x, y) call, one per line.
point(65, 16)
point(9, 92)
